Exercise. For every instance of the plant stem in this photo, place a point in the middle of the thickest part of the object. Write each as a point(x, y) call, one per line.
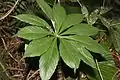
point(103, 3)
point(79, 3)
point(99, 69)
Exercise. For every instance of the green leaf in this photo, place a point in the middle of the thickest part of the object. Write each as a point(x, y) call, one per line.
point(32, 32)
point(72, 9)
point(70, 20)
point(59, 15)
point(49, 61)
point(84, 54)
point(115, 34)
point(45, 7)
point(92, 18)
point(96, 47)
point(105, 22)
point(107, 71)
point(104, 10)
point(82, 29)
point(115, 38)
point(89, 43)
point(69, 54)
point(87, 57)
point(38, 47)
point(84, 11)
point(106, 45)
point(31, 19)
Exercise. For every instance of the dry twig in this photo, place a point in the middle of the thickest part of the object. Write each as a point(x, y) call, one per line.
point(33, 74)
point(3, 17)
point(7, 50)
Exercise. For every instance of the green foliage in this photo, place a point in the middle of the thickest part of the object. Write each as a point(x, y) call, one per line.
point(69, 53)
point(59, 16)
point(115, 34)
point(88, 30)
point(67, 38)
point(106, 71)
point(45, 7)
point(32, 32)
point(31, 19)
point(49, 61)
point(84, 11)
point(38, 46)
point(114, 31)
point(71, 20)
point(93, 17)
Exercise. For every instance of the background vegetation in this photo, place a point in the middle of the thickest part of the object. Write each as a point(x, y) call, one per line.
point(99, 60)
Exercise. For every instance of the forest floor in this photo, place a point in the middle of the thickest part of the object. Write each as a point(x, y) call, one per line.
point(12, 63)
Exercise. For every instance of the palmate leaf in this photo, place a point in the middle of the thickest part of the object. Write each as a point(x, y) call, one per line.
point(52, 45)
point(59, 16)
point(70, 20)
point(69, 54)
point(49, 61)
point(32, 32)
point(45, 7)
point(32, 19)
point(38, 47)
point(82, 29)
